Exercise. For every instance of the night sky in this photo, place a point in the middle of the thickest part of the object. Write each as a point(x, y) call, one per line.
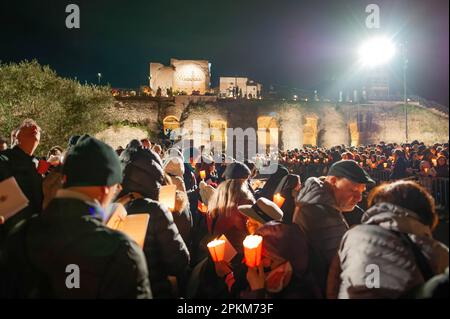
point(301, 44)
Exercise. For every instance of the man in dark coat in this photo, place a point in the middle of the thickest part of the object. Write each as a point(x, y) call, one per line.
point(20, 163)
point(165, 251)
point(321, 203)
point(67, 252)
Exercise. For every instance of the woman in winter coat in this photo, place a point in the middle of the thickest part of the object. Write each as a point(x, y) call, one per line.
point(392, 251)
point(164, 248)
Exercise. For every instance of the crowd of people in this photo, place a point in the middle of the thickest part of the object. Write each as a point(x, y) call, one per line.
point(308, 248)
point(398, 161)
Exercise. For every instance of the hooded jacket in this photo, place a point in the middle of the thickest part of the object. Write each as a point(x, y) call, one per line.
point(142, 172)
point(323, 224)
point(164, 248)
point(378, 242)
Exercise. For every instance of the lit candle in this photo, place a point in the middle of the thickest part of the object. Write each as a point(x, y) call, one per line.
point(434, 162)
point(278, 199)
point(217, 249)
point(385, 165)
point(202, 207)
point(167, 195)
point(202, 175)
point(252, 250)
point(425, 170)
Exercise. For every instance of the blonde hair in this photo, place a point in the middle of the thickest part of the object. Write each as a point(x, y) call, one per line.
point(228, 196)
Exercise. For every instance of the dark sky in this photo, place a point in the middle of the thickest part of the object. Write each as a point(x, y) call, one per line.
point(294, 43)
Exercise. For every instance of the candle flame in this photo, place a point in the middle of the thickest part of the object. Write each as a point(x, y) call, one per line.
point(252, 241)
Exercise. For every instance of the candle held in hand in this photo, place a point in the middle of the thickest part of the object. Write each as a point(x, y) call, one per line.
point(278, 199)
point(217, 249)
point(252, 250)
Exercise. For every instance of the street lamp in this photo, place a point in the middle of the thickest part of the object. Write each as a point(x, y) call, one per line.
point(99, 76)
point(405, 98)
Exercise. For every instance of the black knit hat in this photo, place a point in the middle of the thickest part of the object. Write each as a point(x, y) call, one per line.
point(91, 162)
point(350, 170)
point(236, 170)
point(73, 140)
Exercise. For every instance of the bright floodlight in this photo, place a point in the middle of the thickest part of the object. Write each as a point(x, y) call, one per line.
point(376, 51)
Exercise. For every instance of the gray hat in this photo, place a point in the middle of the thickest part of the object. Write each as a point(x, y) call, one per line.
point(350, 170)
point(236, 170)
point(262, 211)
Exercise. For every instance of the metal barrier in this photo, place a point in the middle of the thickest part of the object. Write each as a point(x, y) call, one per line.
point(438, 187)
point(380, 176)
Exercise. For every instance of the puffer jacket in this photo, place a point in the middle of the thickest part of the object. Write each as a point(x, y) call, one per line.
point(164, 248)
point(323, 225)
point(378, 242)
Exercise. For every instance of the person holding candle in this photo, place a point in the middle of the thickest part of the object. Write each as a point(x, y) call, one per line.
point(426, 170)
point(320, 205)
point(289, 187)
point(224, 279)
point(206, 169)
point(165, 250)
point(261, 212)
point(399, 169)
point(229, 278)
point(224, 216)
point(283, 272)
point(269, 188)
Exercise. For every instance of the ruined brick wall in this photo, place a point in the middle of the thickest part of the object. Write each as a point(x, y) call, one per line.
point(325, 124)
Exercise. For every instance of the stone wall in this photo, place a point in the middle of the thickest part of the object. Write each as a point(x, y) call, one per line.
point(298, 124)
